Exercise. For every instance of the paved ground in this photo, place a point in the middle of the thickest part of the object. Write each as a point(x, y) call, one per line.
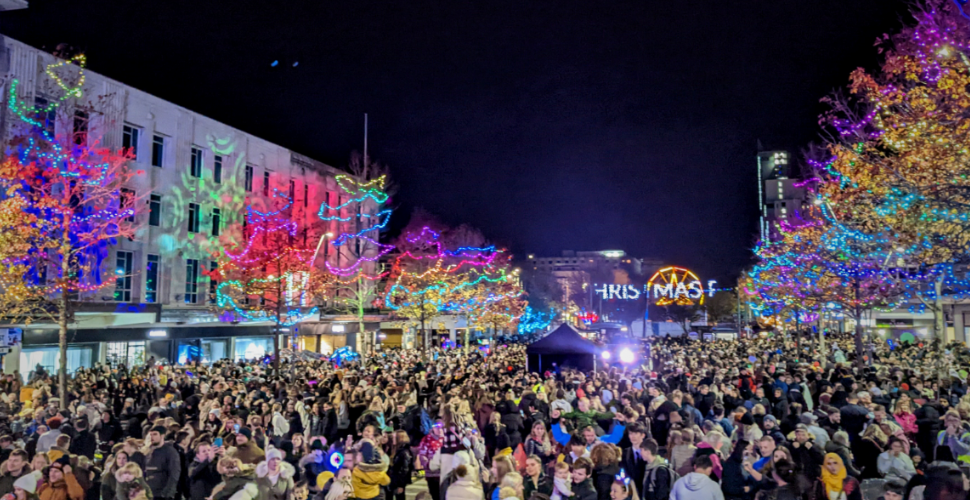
point(416, 487)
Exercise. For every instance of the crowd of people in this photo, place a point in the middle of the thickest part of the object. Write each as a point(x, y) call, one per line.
point(753, 419)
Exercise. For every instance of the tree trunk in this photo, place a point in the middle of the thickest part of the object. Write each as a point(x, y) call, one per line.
point(858, 327)
point(63, 313)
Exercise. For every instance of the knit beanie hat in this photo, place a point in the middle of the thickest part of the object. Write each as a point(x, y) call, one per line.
point(28, 482)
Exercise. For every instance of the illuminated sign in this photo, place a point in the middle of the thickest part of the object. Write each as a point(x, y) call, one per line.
point(625, 292)
point(676, 285)
point(670, 285)
point(337, 328)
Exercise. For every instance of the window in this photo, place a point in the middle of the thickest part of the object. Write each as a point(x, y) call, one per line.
point(191, 281)
point(265, 183)
point(249, 179)
point(80, 127)
point(195, 168)
point(129, 140)
point(194, 214)
point(127, 200)
point(123, 270)
point(47, 115)
point(213, 282)
point(155, 210)
point(158, 150)
point(292, 191)
point(306, 195)
point(151, 279)
point(217, 169)
point(216, 221)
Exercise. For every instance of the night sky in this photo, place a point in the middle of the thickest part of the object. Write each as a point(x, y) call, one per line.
point(549, 125)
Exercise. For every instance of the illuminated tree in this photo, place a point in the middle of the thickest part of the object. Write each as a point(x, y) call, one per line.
point(72, 197)
point(271, 278)
point(896, 162)
point(823, 262)
point(360, 219)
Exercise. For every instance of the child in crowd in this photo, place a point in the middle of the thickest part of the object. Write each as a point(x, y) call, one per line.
point(562, 482)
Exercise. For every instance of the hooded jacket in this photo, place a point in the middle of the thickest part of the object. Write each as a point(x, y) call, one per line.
point(368, 478)
point(696, 486)
point(656, 482)
point(283, 488)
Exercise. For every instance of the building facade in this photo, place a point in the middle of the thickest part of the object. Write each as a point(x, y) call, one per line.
point(195, 179)
point(780, 198)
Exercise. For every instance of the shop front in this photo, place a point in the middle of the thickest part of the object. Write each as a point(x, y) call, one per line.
point(135, 346)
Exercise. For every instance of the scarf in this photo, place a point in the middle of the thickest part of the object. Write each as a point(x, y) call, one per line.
point(833, 482)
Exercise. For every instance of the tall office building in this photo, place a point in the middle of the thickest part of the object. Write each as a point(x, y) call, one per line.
point(779, 196)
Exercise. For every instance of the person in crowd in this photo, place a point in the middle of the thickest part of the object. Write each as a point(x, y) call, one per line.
point(12, 469)
point(60, 482)
point(835, 482)
point(274, 477)
point(698, 484)
point(162, 465)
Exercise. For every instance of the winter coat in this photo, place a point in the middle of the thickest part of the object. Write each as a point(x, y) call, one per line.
point(465, 488)
point(122, 490)
point(584, 491)
point(809, 458)
point(603, 477)
point(513, 427)
point(110, 432)
point(249, 453)
point(542, 485)
point(203, 477)
point(65, 489)
point(696, 486)
point(84, 444)
point(659, 487)
point(483, 414)
point(311, 468)
point(844, 453)
point(850, 487)
point(867, 455)
point(7, 479)
point(401, 468)
point(368, 479)
point(733, 480)
point(284, 482)
point(908, 422)
point(162, 470)
point(241, 486)
point(426, 450)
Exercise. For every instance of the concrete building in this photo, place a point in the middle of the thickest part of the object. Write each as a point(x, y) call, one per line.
point(572, 261)
point(196, 178)
point(779, 196)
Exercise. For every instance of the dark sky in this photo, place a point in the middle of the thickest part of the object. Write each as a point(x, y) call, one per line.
point(550, 125)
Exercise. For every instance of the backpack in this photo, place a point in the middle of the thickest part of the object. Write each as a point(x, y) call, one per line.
point(651, 482)
point(426, 423)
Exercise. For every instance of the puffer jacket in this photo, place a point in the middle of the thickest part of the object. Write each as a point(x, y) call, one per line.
point(367, 479)
point(65, 489)
point(283, 488)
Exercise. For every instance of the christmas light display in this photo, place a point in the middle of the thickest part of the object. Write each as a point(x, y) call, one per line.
point(675, 285)
point(269, 279)
point(533, 321)
point(69, 202)
point(428, 279)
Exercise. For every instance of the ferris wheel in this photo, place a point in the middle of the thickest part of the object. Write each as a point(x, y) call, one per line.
point(675, 285)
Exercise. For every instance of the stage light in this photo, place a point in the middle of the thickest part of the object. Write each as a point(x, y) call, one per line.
point(606, 354)
point(626, 355)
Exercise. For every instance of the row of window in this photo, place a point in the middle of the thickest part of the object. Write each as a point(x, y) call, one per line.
point(124, 269)
point(129, 144)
